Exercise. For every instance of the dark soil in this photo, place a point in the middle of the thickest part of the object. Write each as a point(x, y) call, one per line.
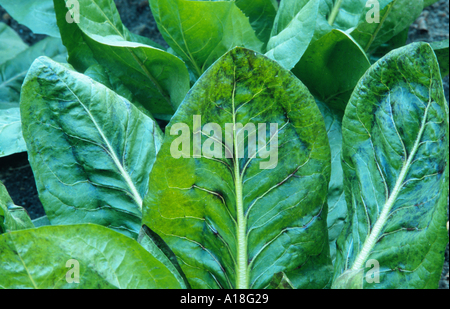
point(15, 171)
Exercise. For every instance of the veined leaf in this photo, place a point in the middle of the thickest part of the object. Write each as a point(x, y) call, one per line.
point(261, 14)
point(331, 67)
point(82, 256)
point(157, 248)
point(337, 207)
point(90, 149)
point(38, 15)
point(293, 30)
point(12, 74)
point(11, 45)
point(158, 80)
point(235, 223)
point(105, 77)
point(202, 31)
point(12, 217)
point(395, 153)
point(395, 17)
point(441, 50)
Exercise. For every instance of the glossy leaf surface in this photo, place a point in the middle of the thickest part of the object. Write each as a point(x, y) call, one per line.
point(90, 149)
point(202, 31)
point(395, 153)
point(157, 79)
point(331, 67)
point(96, 257)
point(237, 222)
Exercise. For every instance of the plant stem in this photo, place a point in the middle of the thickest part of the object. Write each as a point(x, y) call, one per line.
point(334, 12)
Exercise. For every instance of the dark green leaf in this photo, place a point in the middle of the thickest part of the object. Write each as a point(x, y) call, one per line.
point(158, 80)
point(48, 258)
point(331, 67)
point(395, 17)
point(38, 15)
point(237, 222)
point(281, 282)
point(395, 162)
point(90, 149)
point(202, 31)
point(42, 221)
point(441, 50)
point(337, 207)
point(12, 217)
point(261, 14)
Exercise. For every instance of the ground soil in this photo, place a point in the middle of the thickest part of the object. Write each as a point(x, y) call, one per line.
point(15, 171)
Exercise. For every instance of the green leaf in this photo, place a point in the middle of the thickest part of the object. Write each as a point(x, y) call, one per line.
point(345, 14)
point(331, 67)
point(91, 151)
point(157, 248)
point(395, 162)
point(202, 31)
point(441, 50)
point(42, 221)
point(12, 74)
point(38, 15)
point(105, 77)
point(293, 30)
point(395, 17)
point(396, 42)
point(157, 79)
point(337, 207)
point(11, 45)
point(281, 282)
point(234, 223)
point(49, 257)
point(261, 14)
point(12, 217)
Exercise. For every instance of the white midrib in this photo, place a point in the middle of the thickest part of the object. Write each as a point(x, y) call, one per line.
point(242, 267)
point(135, 194)
point(381, 221)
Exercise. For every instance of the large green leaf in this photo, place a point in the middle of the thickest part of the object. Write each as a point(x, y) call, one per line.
point(158, 80)
point(90, 149)
point(395, 17)
point(237, 222)
point(395, 161)
point(441, 50)
point(261, 14)
point(337, 207)
point(12, 217)
point(202, 31)
point(11, 45)
point(293, 30)
point(331, 67)
point(49, 257)
point(108, 79)
point(38, 15)
point(12, 74)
